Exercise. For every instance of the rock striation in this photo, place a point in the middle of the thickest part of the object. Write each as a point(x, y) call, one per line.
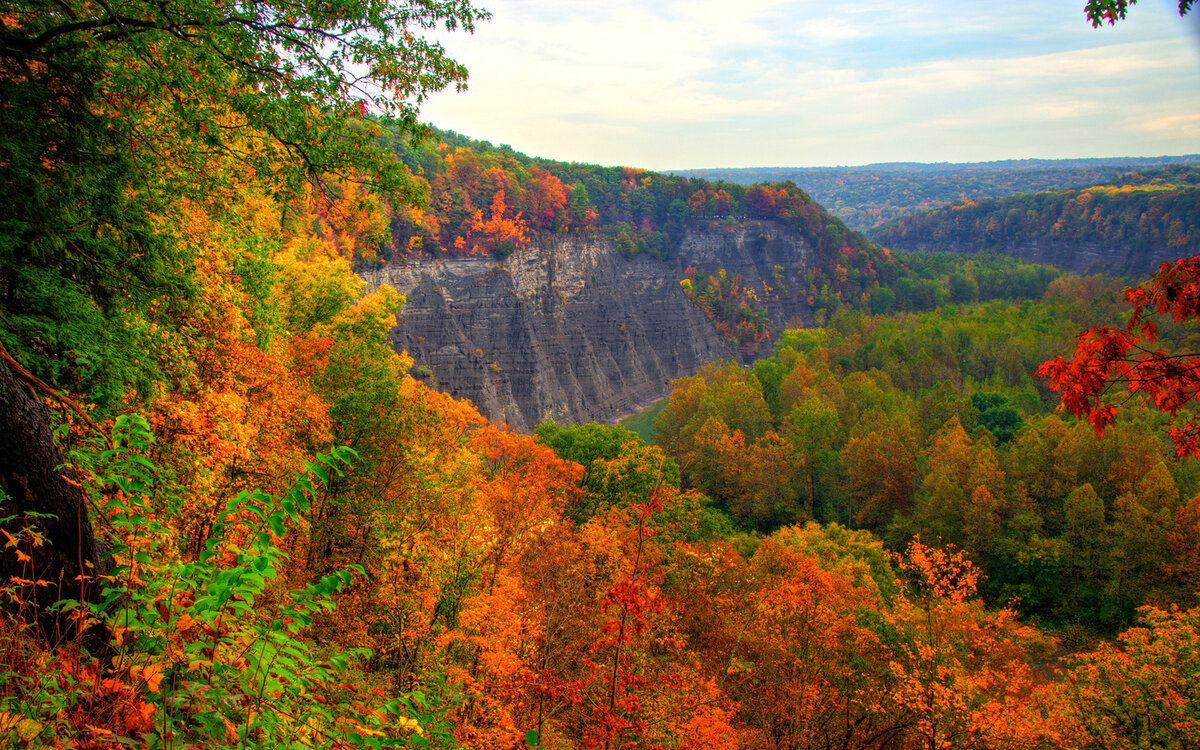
point(569, 329)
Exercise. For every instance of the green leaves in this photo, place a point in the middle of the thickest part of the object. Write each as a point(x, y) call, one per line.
point(225, 646)
point(114, 113)
point(1111, 11)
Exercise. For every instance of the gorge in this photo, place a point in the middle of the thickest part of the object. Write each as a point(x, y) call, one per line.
point(569, 329)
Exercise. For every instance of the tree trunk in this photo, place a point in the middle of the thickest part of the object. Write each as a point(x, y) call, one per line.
point(34, 475)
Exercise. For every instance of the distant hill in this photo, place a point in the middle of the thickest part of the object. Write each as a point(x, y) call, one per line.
point(867, 196)
point(1128, 225)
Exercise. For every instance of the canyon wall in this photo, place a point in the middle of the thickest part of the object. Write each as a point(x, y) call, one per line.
point(569, 329)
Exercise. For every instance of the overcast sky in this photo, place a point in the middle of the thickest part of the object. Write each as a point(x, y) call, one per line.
point(745, 83)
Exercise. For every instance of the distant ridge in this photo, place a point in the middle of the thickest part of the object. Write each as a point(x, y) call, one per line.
point(1128, 226)
point(872, 194)
point(946, 166)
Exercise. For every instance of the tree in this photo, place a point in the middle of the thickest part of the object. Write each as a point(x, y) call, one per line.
point(300, 75)
point(1108, 357)
point(881, 468)
point(959, 668)
point(1143, 691)
point(110, 114)
point(1110, 11)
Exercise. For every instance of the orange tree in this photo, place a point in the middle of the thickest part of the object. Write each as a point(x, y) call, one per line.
point(110, 114)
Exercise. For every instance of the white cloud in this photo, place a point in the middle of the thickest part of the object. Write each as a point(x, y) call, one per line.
point(707, 83)
point(1176, 126)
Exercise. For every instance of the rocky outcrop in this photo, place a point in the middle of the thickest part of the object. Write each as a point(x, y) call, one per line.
point(569, 329)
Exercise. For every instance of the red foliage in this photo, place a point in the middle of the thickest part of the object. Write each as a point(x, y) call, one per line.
point(1107, 356)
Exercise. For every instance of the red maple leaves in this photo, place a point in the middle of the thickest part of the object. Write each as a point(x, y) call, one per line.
point(1107, 358)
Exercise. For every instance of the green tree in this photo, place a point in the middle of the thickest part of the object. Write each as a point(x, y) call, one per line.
point(1088, 560)
point(1110, 11)
point(111, 112)
point(619, 468)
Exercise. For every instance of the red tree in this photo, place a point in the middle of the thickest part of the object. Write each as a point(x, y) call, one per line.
point(1107, 359)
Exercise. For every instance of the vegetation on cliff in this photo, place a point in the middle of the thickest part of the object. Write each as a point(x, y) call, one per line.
point(231, 520)
point(868, 196)
point(1138, 213)
point(486, 199)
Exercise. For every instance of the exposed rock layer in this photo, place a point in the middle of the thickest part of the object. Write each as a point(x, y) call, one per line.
point(569, 329)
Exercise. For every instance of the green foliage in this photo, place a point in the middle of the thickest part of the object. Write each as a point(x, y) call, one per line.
point(643, 212)
point(625, 242)
point(734, 309)
point(584, 443)
point(620, 470)
point(1111, 11)
point(865, 197)
point(111, 115)
point(83, 269)
point(1142, 213)
point(1144, 691)
point(930, 424)
point(218, 644)
point(998, 415)
point(857, 554)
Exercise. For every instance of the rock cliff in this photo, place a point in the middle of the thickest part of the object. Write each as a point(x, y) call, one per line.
point(569, 329)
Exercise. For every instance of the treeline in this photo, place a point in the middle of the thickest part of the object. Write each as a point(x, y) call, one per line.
point(486, 200)
point(929, 426)
point(1139, 212)
point(865, 197)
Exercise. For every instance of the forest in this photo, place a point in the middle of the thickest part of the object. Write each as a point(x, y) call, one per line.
point(487, 200)
point(870, 196)
point(229, 517)
point(1137, 211)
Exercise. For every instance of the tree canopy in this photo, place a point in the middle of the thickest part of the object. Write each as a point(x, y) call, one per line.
point(1111, 11)
point(113, 117)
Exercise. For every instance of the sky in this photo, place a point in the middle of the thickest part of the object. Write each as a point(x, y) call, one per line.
point(684, 84)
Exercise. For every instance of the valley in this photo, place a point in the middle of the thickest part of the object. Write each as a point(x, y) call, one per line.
point(307, 408)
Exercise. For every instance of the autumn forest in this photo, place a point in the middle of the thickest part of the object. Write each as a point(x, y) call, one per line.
point(954, 504)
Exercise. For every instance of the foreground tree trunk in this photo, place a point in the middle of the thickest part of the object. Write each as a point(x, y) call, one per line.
point(34, 477)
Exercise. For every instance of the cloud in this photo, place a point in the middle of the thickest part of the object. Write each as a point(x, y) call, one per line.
point(704, 83)
point(1176, 126)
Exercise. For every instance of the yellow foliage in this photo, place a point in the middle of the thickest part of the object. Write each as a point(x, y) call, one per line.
point(26, 730)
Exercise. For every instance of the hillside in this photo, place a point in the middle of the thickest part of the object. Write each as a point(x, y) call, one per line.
point(234, 515)
point(867, 196)
point(1128, 225)
point(583, 309)
point(486, 200)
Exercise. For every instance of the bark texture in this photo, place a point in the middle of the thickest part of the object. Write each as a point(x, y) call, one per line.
point(36, 480)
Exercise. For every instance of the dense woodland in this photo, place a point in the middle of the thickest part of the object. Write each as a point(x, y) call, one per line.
point(930, 425)
point(868, 196)
point(230, 518)
point(484, 200)
point(1140, 212)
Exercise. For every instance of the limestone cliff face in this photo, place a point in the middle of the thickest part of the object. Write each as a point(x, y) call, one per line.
point(569, 329)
